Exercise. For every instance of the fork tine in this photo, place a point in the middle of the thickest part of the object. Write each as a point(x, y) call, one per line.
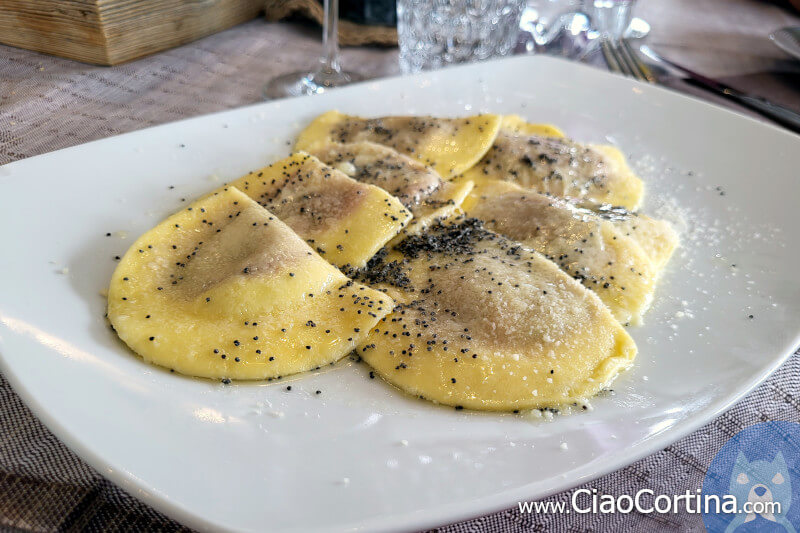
point(611, 59)
point(616, 59)
point(627, 63)
point(644, 72)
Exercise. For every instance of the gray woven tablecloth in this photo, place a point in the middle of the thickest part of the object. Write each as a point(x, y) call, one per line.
point(49, 103)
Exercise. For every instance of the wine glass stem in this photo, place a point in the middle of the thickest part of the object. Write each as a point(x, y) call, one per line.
point(330, 36)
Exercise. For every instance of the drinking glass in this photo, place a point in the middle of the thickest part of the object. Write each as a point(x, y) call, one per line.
point(434, 33)
point(545, 19)
point(610, 18)
point(573, 28)
point(329, 74)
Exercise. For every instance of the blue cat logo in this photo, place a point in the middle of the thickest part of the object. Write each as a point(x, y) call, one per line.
point(760, 467)
point(761, 483)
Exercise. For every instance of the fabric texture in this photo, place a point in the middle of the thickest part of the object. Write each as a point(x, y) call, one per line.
point(49, 103)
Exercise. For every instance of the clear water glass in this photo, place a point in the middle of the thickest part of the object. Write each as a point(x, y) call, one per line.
point(610, 18)
point(573, 28)
point(435, 33)
point(546, 19)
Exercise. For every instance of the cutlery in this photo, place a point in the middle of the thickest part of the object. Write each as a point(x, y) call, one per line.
point(788, 40)
point(621, 59)
point(778, 113)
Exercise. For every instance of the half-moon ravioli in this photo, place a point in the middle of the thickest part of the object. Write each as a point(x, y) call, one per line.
point(656, 237)
point(224, 289)
point(483, 323)
point(343, 220)
point(549, 163)
point(418, 187)
point(585, 246)
point(449, 145)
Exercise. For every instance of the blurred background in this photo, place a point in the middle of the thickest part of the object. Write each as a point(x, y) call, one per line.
point(76, 71)
point(88, 69)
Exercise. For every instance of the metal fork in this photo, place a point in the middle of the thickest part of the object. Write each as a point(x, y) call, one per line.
point(622, 59)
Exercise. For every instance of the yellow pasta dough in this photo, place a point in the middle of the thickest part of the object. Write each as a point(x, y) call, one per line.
point(547, 162)
point(224, 289)
point(585, 245)
point(448, 145)
point(418, 187)
point(483, 323)
point(343, 220)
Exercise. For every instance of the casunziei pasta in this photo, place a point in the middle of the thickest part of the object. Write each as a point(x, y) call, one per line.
point(480, 262)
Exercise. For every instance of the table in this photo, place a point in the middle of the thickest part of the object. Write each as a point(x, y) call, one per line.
point(49, 103)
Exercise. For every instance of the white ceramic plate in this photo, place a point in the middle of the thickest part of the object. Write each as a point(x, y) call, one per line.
point(256, 457)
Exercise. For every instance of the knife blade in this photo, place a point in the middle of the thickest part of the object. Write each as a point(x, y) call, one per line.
point(782, 115)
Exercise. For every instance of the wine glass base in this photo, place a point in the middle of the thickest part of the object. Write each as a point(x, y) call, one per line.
point(305, 83)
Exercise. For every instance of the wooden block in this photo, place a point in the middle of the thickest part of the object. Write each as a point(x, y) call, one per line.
point(109, 32)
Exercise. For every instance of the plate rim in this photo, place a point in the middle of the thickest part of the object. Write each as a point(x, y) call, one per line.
point(491, 504)
point(432, 517)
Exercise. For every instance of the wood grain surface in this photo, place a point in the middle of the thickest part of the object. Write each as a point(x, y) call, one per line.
point(109, 32)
